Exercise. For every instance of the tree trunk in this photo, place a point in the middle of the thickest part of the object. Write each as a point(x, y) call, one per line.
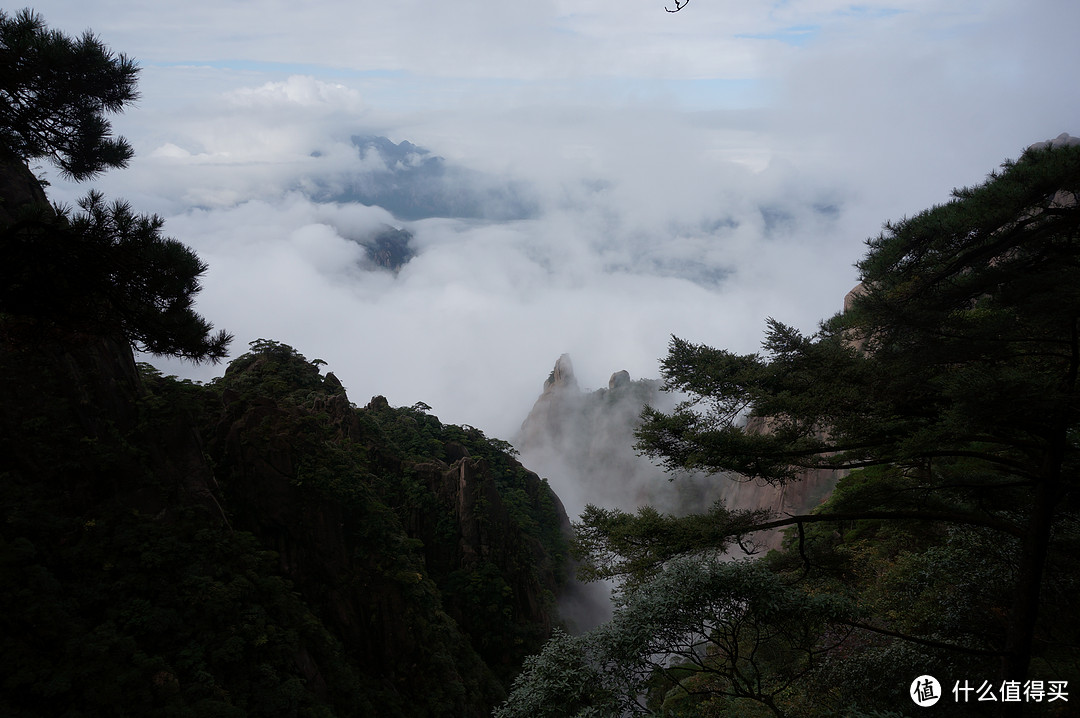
point(1024, 612)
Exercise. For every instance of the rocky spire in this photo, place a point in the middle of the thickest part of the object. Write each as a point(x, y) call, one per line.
point(562, 376)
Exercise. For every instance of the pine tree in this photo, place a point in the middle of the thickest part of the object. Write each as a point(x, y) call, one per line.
point(55, 92)
point(104, 268)
point(949, 388)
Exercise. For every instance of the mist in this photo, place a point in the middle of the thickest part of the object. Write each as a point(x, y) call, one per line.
point(575, 178)
point(604, 254)
point(585, 178)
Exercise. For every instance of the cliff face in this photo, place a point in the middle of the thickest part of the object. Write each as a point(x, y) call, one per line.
point(73, 421)
point(487, 535)
point(19, 189)
point(583, 441)
point(319, 509)
point(375, 512)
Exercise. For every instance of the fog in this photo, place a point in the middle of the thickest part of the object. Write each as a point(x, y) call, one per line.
point(587, 178)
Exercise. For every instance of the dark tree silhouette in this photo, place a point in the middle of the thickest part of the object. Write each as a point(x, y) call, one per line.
point(950, 389)
point(957, 366)
point(103, 269)
point(55, 92)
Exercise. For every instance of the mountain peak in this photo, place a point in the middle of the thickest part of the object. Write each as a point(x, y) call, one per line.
point(562, 376)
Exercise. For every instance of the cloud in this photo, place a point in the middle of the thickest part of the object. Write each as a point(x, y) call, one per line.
point(297, 91)
point(686, 174)
point(605, 269)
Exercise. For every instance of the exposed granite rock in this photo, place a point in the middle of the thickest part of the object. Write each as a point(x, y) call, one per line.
point(555, 408)
point(849, 299)
point(1062, 140)
point(562, 376)
point(584, 443)
point(485, 534)
point(619, 379)
point(19, 189)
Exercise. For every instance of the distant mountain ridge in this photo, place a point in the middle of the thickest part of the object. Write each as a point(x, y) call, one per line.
point(412, 183)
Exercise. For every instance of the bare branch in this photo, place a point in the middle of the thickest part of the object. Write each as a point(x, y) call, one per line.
point(948, 516)
point(922, 641)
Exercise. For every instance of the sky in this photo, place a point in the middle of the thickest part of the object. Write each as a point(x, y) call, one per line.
point(641, 173)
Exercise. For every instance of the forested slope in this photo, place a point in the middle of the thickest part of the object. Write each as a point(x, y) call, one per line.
point(254, 546)
point(257, 546)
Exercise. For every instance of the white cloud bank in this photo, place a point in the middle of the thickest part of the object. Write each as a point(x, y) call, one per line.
point(689, 174)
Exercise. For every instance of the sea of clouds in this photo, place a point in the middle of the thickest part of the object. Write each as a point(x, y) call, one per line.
point(631, 192)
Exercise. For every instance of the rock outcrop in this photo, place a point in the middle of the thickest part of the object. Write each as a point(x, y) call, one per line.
point(19, 189)
point(553, 413)
point(389, 248)
point(1062, 140)
point(584, 443)
point(619, 379)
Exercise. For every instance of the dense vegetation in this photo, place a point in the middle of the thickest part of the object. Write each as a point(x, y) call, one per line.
point(261, 546)
point(256, 546)
point(104, 267)
point(317, 570)
point(947, 395)
point(56, 92)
